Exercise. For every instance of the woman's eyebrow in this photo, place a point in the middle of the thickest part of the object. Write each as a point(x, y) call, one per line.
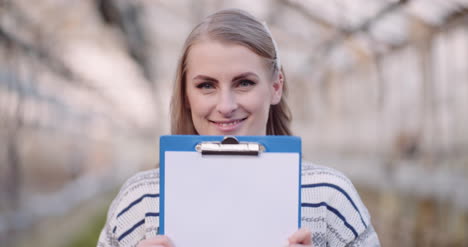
point(204, 78)
point(243, 75)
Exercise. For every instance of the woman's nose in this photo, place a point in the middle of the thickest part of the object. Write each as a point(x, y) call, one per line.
point(227, 103)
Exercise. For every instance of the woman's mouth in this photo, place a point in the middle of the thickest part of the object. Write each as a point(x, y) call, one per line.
point(228, 126)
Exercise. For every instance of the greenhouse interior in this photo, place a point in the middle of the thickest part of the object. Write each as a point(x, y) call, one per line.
point(377, 89)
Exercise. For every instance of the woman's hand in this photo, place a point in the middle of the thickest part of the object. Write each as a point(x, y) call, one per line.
point(303, 238)
point(158, 241)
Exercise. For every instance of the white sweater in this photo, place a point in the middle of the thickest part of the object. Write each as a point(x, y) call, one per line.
point(331, 209)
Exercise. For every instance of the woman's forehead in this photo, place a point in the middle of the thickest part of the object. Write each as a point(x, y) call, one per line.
point(216, 57)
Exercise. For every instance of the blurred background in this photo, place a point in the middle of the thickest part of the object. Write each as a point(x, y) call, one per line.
point(378, 90)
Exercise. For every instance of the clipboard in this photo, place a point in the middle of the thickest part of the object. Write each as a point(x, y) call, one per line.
point(229, 191)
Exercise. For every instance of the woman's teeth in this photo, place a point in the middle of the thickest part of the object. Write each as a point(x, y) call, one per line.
point(229, 123)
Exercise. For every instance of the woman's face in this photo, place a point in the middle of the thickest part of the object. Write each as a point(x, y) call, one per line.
point(229, 89)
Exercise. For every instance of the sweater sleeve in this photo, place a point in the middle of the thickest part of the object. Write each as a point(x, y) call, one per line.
point(368, 238)
point(107, 238)
point(133, 214)
point(333, 209)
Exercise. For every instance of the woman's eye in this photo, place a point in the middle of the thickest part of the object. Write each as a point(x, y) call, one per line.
point(205, 85)
point(246, 83)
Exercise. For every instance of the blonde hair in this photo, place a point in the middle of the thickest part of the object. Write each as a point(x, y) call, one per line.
point(237, 27)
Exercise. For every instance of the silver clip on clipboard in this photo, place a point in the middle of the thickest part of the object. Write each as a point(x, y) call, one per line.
point(229, 146)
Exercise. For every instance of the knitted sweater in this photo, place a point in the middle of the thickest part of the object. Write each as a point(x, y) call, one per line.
point(331, 209)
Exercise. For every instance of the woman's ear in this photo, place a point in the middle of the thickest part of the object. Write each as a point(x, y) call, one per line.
point(277, 89)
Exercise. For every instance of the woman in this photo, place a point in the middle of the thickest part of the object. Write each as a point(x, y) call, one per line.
point(230, 82)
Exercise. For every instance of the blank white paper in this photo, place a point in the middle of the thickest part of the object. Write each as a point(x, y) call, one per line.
point(229, 200)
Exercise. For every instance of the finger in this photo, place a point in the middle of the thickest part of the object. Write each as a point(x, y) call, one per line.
point(162, 240)
point(302, 236)
point(299, 245)
point(157, 241)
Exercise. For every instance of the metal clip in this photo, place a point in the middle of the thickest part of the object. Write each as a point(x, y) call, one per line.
point(229, 146)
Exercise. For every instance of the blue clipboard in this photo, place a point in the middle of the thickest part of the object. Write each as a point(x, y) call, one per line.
point(191, 162)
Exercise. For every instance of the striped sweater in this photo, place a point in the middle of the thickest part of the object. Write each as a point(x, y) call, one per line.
point(331, 209)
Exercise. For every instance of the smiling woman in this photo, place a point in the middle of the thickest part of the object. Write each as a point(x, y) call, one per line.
point(229, 89)
point(230, 82)
point(231, 47)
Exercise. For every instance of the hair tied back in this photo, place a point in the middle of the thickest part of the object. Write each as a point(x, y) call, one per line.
point(277, 58)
